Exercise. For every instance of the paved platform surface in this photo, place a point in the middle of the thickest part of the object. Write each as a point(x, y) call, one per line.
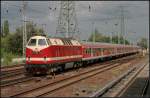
point(136, 88)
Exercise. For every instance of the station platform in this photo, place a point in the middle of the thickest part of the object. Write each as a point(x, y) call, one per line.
point(137, 87)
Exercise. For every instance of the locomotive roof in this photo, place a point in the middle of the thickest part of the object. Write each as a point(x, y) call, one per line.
point(64, 41)
point(88, 44)
point(38, 37)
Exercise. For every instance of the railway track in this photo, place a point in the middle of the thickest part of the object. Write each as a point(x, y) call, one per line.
point(54, 86)
point(8, 69)
point(17, 76)
point(121, 83)
point(18, 65)
point(145, 88)
point(136, 86)
point(19, 79)
point(11, 74)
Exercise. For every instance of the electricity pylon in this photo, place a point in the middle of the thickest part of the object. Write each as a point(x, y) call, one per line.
point(67, 21)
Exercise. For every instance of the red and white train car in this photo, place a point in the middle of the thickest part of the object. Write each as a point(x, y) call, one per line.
point(46, 54)
point(94, 51)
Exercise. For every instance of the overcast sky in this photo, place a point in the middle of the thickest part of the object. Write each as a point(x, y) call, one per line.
point(103, 13)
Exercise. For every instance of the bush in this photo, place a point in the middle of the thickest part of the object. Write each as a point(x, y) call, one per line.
point(7, 58)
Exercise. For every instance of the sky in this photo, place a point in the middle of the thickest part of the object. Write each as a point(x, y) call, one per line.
point(104, 14)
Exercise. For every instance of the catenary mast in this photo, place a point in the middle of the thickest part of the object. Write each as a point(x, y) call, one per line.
point(67, 22)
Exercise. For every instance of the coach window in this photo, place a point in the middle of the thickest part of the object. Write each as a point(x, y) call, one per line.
point(42, 42)
point(87, 51)
point(32, 42)
point(84, 51)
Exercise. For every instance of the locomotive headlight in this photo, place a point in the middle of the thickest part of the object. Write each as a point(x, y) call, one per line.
point(29, 59)
point(45, 59)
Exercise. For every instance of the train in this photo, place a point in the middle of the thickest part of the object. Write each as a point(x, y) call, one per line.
point(46, 55)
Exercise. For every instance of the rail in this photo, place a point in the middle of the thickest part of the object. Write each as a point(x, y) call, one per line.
point(114, 82)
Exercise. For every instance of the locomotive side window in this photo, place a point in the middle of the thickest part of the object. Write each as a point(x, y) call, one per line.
point(42, 42)
point(32, 42)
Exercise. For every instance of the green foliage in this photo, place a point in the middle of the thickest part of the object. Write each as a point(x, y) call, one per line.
point(7, 58)
point(142, 43)
point(32, 30)
point(121, 39)
point(12, 42)
point(5, 28)
point(98, 37)
point(102, 38)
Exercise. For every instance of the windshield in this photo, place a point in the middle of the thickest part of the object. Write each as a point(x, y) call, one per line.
point(42, 42)
point(32, 42)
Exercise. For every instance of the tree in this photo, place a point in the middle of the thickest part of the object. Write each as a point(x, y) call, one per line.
point(115, 39)
point(102, 38)
point(5, 28)
point(98, 37)
point(31, 30)
point(121, 39)
point(12, 43)
point(142, 43)
point(1, 31)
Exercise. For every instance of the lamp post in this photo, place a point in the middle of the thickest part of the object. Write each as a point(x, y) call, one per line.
point(110, 38)
point(93, 31)
point(136, 38)
point(118, 41)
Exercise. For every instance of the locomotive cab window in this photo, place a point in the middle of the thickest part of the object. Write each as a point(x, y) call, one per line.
point(32, 42)
point(42, 42)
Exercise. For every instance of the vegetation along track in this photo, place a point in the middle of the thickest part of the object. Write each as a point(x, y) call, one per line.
point(50, 87)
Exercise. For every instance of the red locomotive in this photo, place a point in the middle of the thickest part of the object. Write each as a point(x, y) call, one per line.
point(45, 55)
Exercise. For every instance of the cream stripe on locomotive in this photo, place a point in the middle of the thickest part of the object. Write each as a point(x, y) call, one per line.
point(53, 58)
